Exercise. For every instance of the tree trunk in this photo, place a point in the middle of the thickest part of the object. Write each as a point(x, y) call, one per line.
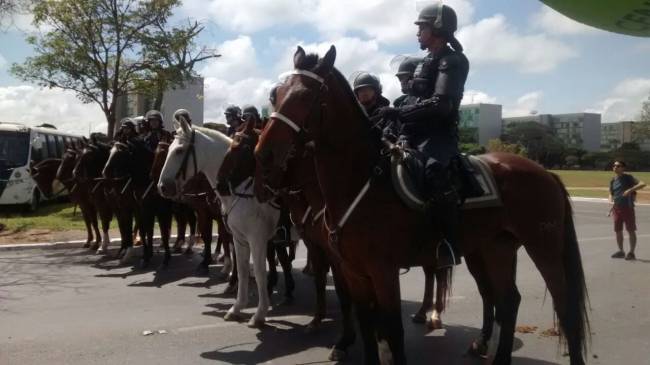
point(158, 96)
point(110, 121)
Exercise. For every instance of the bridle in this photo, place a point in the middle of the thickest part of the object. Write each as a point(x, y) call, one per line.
point(303, 133)
point(190, 151)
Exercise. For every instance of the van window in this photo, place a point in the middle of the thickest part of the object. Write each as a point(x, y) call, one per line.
point(59, 146)
point(51, 145)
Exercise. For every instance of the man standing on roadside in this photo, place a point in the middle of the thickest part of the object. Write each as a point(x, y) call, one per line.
point(622, 193)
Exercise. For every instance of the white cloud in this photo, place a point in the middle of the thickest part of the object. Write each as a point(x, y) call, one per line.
point(389, 21)
point(237, 61)
point(32, 105)
point(624, 103)
point(3, 62)
point(556, 23)
point(477, 97)
point(525, 105)
point(220, 93)
point(494, 41)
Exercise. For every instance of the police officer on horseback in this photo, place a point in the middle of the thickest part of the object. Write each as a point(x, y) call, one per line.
point(250, 114)
point(127, 131)
point(429, 122)
point(405, 76)
point(233, 119)
point(367, 89)
point(156, 133)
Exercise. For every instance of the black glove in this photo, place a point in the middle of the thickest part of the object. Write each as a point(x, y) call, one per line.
point(389, 113)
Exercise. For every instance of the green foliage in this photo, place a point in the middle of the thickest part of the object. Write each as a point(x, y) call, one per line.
point(644, 116)
point(101, 49)
point(496, 145)
point(472, 148)
point(467, 135)
point(539, 141)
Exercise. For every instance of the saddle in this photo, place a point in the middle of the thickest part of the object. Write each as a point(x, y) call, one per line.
point(471, 177)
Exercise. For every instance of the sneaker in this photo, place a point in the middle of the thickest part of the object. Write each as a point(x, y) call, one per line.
point(630, 256)
point(618, 255)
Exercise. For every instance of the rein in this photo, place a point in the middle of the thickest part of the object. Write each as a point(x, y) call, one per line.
point(191, 150)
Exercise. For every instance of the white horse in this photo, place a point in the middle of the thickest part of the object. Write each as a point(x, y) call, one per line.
point(252, 223)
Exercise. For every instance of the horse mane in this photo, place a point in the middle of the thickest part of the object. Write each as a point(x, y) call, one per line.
point(312, 62)
point(214, 134)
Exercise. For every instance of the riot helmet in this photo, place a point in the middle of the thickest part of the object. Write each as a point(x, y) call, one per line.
point(365, 79)
point(152, 115)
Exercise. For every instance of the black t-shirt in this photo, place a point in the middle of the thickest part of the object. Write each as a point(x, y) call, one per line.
point(618, 185)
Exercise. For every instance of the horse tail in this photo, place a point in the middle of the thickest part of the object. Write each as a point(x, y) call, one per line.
point(575, 323)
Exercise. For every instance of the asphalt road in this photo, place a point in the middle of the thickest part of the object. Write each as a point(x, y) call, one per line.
point(65, 306)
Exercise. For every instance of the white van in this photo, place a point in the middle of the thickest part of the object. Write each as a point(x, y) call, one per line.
point(19, 145)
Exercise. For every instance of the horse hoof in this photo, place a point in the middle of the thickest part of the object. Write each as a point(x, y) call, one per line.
point(419, 318)
point(86, 245)
point(230, 289)
point(434, 324)
point(94, 246)
point(313, 326)
point(233, 317)
point(202, 270)
point(478, 350)
point(256, 323)
point(128, 255)
point(337, 355)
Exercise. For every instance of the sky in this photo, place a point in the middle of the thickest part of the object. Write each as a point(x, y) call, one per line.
point(523, 55)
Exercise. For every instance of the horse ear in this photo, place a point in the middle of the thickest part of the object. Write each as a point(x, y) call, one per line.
point(330, 57)
point(298, 57)
point(186, 127)
point(176, 124)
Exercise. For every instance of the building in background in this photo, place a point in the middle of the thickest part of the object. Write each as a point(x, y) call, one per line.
point(576, 130)
point(613, 135)
point(480, 122)
point(189, 97)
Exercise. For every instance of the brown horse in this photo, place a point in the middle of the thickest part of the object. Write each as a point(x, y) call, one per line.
point(374, 233)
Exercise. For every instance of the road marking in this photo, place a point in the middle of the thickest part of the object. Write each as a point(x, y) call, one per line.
point(602, 238)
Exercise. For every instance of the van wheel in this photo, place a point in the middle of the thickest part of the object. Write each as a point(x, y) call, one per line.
point(35, 202)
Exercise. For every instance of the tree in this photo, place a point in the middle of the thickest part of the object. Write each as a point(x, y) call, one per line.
point(93, 47)
point(644, 116)
point(539, 141)
point(496, 145)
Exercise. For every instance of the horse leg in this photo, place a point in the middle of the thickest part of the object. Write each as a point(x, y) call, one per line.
point(320, 282)
point(272, 279)
point(259, 250)
point(479, 346)
point(181, 222)
point(127, 237)
point(232, 281)
point(145, 230)
point(191, 219)
point(501, 265)
point(442, 288)
point(339, 352)
point(95, 225)
point(427, 301)
point(165, 224)
point(105, 215)
point(243, 253)
point(205, 227)
point(285, 262)
point(85, 213)
point(390, 332)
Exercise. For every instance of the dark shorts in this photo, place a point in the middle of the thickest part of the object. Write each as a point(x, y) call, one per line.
point(624, 215)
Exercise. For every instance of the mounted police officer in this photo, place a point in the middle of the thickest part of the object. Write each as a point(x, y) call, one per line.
point(233, 119)
point(156, 133)
point(429, 131)
point(127, 132)
point(405, 76)
point(251, 114)
point(367, 88)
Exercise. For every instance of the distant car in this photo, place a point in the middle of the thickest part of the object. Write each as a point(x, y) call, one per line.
point(20, 145)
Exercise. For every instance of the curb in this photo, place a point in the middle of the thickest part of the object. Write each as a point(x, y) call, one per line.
point(115, 242)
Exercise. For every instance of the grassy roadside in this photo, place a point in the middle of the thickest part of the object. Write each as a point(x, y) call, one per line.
point(53, 216)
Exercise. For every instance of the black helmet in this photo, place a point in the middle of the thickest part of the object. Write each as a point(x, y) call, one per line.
point(184, 113)
point(441, 18)
point(154, 114)
point(273, 94)
point(250, 110)
point(127, 122)
point(234, 111)
point(365, 79)
point(407, 67)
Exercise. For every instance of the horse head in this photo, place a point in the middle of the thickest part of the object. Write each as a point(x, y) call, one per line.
point(299, 113)
point(193, 150)
point(68, 162)
point(44, 174)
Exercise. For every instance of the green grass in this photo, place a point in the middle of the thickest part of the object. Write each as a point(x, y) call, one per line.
point(52, 216)
point(600, 179)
